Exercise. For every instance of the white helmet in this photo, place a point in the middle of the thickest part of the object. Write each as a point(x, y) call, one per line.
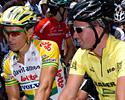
point(119, 15)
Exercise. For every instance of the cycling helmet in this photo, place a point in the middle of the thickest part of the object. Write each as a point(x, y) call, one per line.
point(123, 3)
point(87, 10)
point(91, 10)
point(59, 3)
point(119, 14)
point(18, 16)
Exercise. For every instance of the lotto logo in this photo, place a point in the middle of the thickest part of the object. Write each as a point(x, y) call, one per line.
point(60, 79)
point(46, 45)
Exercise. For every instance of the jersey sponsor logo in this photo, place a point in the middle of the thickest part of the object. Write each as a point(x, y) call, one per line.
point(46, 45)
point(73, 66)
point(111, 70)
point(92, 69)
point(32, 59)
point(29, 86)
point(22, 69)
point(56, 31)
point(30, 68)
point(119, 65)
point(60, 79)
point(108, 91)
point(49, 60)
point(29, 77)
point(33, 53)
point(16, 72)
point(102, 84)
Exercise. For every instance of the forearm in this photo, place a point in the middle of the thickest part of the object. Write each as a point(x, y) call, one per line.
point(46, 81)
point(120, 91)
point(43, 93)
point(66, 96)
point(40, 94)
point(13, 92)
point(72, 87)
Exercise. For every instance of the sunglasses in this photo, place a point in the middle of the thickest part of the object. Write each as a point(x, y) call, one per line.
point(13, 33)
point(80, 29)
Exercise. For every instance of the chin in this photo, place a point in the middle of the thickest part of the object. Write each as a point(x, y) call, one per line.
point(82, 47)
point(13, 49)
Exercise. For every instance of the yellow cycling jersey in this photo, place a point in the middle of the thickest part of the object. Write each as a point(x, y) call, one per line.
point(105, 71)
point(42, 53)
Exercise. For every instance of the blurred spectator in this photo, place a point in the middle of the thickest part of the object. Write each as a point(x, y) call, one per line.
point(44, 7)
point(13, 3)
point(118, 26)
point(34, 5)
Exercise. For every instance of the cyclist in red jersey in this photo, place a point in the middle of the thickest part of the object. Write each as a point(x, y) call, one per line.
point(53, 27)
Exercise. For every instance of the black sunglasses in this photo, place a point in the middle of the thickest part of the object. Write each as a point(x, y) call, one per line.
point(80, 29)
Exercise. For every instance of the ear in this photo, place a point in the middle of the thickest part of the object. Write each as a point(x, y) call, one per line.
point(30, 33)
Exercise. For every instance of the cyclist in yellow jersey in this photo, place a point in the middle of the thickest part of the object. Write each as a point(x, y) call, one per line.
point(29, 61)
point(100, 55)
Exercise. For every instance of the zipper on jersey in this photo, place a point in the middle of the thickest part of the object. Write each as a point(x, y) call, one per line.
point(101, 68)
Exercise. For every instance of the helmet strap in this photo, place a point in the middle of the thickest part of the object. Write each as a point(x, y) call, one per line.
point(98, 39)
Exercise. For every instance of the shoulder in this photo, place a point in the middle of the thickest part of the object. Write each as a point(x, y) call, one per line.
point(112, 41)
point(42, 25)
point(8, 55)
point(6, 60)
point(81, 51)
point(44, 20)
point(46, 45)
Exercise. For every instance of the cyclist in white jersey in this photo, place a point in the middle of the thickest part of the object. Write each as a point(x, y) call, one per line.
point(32, 65)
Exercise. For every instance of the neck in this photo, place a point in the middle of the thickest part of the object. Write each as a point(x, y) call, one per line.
point(24, 49)
point(99, 49)
point(58, 17)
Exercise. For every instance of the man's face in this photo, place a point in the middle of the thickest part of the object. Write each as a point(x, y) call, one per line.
point(84, 34)
point(16, 37)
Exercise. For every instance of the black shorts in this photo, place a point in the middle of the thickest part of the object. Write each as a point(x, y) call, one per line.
point(90, 88)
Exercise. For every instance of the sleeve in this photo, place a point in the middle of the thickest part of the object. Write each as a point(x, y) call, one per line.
point(50, 53)
point(121, 63)
point(9, 79)
point(40, 28)
point(77, 65)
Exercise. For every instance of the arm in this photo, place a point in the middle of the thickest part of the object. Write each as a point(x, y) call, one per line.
point(13, 92)
point(46, 81)
point(120, 88)
point(70, 50)
point(72, 87)
point(82, 95)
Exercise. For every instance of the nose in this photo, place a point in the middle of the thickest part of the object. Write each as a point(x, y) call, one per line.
point(75, 35)
point(10, 38)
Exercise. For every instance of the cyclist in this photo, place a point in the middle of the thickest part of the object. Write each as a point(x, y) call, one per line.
point(100, 55)
point(53, 27)
point(119, 19)
point(29, 61)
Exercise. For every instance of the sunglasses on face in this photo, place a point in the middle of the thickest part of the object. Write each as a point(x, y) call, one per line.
point(80, 29)
point(13, 33)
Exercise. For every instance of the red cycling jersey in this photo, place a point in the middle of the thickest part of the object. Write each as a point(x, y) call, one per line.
point(51, 29)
